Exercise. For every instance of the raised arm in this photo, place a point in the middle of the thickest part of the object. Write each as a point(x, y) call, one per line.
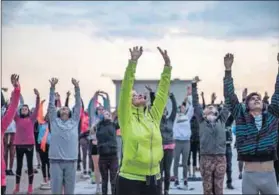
point(35, 113)
point(174, 107)
point(161, 97)
point(125, 101)
point(77, 107)
point(203, 101)
point(52, 114)
point(231, 99)
point(224, 114)
point(67, 98)
point(11, 111)
point(273, 108)
point(197, 108)
point(40, 117)
point(106, 100)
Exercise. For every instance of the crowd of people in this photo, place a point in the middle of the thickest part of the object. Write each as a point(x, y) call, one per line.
point(135, 147)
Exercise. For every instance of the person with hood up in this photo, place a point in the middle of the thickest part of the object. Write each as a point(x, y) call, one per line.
point(182, 134)
point(6, 119)
point(256, 134)
point(107, 149)
point(24, 141)
point(166, 127)
point(140, 130)
point(63, 149)
point(212, 143)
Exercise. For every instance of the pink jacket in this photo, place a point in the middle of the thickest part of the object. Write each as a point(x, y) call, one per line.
point(25, 127)
point(5, 122)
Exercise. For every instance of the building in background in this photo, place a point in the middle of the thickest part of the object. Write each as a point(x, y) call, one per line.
point(178, 88)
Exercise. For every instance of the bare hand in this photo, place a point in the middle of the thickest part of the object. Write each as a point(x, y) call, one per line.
point(244, 93)
point(53, 82)
point(5, 89)
point(43, 101)
point(68, 93)
point(202, 94)
point(75, 82)
point(228, 61)
point(136, 52)
point(196, 79)
point(15, 80)
point(148, 88)
point(213, 97)
point(36, 92)
point(165, 56)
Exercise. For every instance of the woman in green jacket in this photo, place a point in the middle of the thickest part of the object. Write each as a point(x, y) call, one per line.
point(140, 130)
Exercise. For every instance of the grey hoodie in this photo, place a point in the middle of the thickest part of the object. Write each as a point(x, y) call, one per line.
point(64, 134)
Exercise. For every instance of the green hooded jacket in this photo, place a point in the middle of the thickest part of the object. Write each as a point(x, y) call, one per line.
point(140, 128)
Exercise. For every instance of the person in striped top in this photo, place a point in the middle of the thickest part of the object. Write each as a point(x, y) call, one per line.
point(256, 134)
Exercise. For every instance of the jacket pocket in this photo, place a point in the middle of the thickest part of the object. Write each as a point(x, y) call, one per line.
point(142, 156)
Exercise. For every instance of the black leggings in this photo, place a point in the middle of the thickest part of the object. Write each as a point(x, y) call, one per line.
point(28, 151)
point(3, 190)
point(166, 166)
point(108, 168)
point(133, 187)
point(276, 167)
point(45, 162)
point(194, 151)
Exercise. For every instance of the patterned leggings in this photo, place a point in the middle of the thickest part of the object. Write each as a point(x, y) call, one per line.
point(213, 166)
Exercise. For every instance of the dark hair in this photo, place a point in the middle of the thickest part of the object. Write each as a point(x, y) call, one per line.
point(59, 114)
point(20, 114)
point(248, 98)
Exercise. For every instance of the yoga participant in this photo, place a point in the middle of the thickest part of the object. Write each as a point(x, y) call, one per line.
point(107, 149)
point(9, 147)
point(212, 143)
point(63, 150)
point(44, 137)
point(6, 119)
point(256, 134)
point(166, 128)
point(182, 135)
point(95, 112)
point(118, 136)
point(24, 141)
point(142, 152)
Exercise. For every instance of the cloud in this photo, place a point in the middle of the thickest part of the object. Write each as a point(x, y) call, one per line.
point(38, 53)
point(151, 19)
point(87, 39)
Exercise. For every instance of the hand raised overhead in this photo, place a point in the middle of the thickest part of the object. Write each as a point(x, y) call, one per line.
point(75, 82)
point(53, 82)
point(244, 93)
point(196, 79)
point(165, 56)
point(15, 80)
point(68, 93)
point(148, 88)
point(213, 97)
point(202, 94)
point(36, 92)
point(228, 61)
point(278, 58)
point(136, 52)
point(4, 89)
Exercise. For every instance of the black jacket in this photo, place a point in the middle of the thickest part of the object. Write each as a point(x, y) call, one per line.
point(166, 125)
point(106, 136)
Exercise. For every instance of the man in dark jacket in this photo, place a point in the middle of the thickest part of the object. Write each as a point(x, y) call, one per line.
point(195, 144)
point(166, 128)
point(229, 151)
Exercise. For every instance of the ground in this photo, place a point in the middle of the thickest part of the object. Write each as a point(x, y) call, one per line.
point(84, 186)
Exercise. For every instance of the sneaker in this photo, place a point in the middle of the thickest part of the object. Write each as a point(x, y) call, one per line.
point(230, 187)
point(240, 176)
point(11, 172)
point(78, 168)
point(7, 172)
point(45, 186)
point(185, 183)
point(166, 192)
point(176, 183)
point(98, 190)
